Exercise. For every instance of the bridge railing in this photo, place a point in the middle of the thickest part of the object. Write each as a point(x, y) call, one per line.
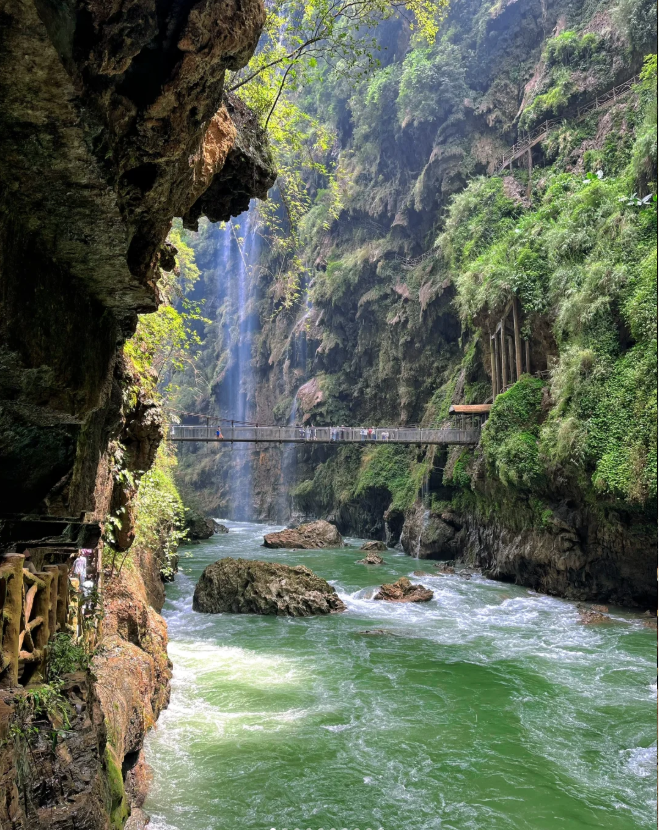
point(326, 435)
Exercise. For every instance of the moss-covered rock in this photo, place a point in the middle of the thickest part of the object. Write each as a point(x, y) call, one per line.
point(241, 586)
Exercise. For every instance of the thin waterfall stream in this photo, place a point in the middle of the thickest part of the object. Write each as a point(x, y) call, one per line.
point(490, 707)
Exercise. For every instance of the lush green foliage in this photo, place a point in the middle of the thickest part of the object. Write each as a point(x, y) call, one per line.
point(65, 655)
point(159, 511)
point(510, 436)
point(584, 257)
point(391, 468)
point(312, 42)
point(167, 341)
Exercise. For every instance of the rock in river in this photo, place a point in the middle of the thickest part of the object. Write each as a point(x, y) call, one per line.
point(318, 534)
point(375, 545)
point(245, 586)
point(370, 559)
point(403, 591)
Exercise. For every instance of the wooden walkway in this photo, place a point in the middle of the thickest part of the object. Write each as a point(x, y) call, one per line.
point(466, 433)
point(529, 140)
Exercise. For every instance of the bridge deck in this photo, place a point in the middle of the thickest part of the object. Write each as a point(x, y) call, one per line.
point(323, 435)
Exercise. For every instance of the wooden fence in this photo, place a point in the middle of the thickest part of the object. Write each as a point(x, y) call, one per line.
point(35, 607)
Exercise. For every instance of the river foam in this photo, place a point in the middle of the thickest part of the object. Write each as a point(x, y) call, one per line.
point(488, 707)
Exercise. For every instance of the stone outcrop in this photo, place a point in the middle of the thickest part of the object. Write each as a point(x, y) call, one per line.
point(113, 121)
point(243, 586)
point(576, 555)
point(430, 535)
point(198, 526)
point(371, 559)
point(318, 534)
point(219, 527)
point(373, 545)
point(67, 788)
point(403, 591)
point(133, 674)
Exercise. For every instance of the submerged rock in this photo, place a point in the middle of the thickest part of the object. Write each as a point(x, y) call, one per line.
point(589, 616)
point(403, 591)
point(309, 536)
point(373, 545)
point(244, 586)
point(370, 559)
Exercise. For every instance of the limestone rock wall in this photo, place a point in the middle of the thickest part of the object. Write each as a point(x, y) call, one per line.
point(111, 124)
point(113, 120)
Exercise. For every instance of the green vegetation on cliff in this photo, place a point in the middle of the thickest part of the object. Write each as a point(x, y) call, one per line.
point(410, 248)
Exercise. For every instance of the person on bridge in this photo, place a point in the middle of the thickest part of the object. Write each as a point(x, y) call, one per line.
point(218, 434)
point(362, 434)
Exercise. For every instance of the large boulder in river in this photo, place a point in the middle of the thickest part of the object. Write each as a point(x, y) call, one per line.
point(374, 545)
point(246, 586)
point(403, 591)
point(198, 526)
point(318, 534)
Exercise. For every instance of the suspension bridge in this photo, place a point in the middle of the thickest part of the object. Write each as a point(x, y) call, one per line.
point(467, 431)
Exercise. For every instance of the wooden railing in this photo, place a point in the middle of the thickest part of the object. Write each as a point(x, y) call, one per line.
point(527, 141)
point(34, 608)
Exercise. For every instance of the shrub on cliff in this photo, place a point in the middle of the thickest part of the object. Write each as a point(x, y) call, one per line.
point(510, 436)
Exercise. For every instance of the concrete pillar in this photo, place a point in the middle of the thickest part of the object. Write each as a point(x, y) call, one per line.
point(62, 596)
point(527, 349)
point(529, 159)
point(41, 608)
point(504, 368)
point(493, 367)
point(54, 590)
point(518, 339)
point(511, 357)
point(497, 360)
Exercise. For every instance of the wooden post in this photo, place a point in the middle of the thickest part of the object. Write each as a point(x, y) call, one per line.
point(511, 357)
point(11, 573)
point(41, 608)
point(54, 591)
point(504, 371)
point(62, 596)
point(497, 368)
point(493, 367)
point(518, 340)
point(527, 349)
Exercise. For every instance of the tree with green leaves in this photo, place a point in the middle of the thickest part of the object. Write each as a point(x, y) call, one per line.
point(309, 42)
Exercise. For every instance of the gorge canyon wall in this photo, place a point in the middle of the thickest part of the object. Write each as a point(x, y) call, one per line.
point(410, 271)
point(113, 121)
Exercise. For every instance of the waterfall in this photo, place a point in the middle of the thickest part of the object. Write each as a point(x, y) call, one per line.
point(238, 254)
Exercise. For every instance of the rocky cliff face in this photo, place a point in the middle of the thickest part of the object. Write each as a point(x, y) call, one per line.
point(408, 279)
point(112, 123)
point(113, 120)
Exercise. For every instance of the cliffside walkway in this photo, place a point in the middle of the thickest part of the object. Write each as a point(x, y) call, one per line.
point(541, 132)
point(324, 435)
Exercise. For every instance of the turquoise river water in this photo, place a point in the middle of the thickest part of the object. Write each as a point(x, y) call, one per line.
point(490, 707)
